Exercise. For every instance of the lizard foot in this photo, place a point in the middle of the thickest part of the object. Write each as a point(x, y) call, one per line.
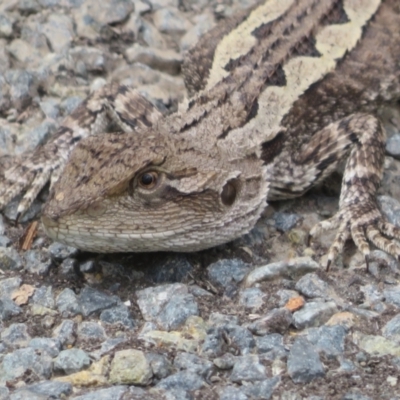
point(364, 223)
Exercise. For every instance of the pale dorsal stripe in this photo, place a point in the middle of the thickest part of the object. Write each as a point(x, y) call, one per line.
point(301, 72)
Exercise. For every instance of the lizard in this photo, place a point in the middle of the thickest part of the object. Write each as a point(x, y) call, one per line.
point(281, 94)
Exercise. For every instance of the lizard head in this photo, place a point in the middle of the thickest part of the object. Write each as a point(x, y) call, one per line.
point(134, 192)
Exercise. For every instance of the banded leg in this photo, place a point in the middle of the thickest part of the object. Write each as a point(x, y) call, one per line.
point(361, 139)
point(117, 104)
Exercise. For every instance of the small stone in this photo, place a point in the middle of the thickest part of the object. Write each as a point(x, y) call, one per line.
point(169, 305)
point(214, 344)
point(290, 269)
point(303, 362)
point(377, 345)
point(329, 339)
point(271, 346)
point(6, 26)
point(10, 260)
point(392, 295)
point(184, 380)
point(107, 346)
point(43, 296)
point(277, 320)
point(59, 251)
point(285, 221)
point(37, 262)
point(171, 21)
point(114, 393)
point(314, 314)
point(251, 298)
point(50, 346)
point(16, 335)
point(262, 390)
point(227, 272)
point(248, 368)
point(295, 303)
point(91, 331)
point(50, 389)
point(312, 286)
point(92, 301)
point(65, 333)
point(71, 360)
point(50, 109)
point(130, 367)
point(68, 304)
point(392, 329)
point(18, 363)
point(193, 363)
point(8, 309)
point(160, 365)
point(119, 314)
point(393, 145)
point(59, 31)
point(390, 208)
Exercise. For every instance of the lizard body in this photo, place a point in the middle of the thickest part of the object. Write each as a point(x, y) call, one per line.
point(282, 94)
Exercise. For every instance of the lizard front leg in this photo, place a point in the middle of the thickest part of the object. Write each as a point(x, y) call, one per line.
point(360, 138)
point(117, 104)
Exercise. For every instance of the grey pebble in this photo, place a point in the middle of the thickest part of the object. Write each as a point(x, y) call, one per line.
point(193, 363)
point(312, 286)
point(16, 335)
point(271, 346)
point(8, 285)
point(390, 208)
point(68, 303)
point(71, 360)
point(393, 145)
point(391, 330)
point(227, 272)
point(119, 314)
point(93, 301)
point(183, 380)
point(248, 368)
point(51, 346)
point(59, 251)
point(169, 305)
point(91, 331)
point(8, 309)
point(214, 344)
point(43, 296)
point(10, 259)
point(114, 393)
point(392, 295)
point(277, 320)
point(50, 389)
point(14, 365)
point(303, 362)
point(65, 332)
point(240, 338)
point(252, 298)
point(37, 262)
point(314, 314)
point(328, 339)
point(160, 365)
point(285, 221)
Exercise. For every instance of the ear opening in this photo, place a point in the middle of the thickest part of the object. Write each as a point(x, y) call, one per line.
point(229, 192)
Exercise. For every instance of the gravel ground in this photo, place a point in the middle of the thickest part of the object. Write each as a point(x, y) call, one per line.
point(258, 318)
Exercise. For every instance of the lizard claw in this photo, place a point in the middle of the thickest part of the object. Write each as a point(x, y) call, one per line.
point(365, 224)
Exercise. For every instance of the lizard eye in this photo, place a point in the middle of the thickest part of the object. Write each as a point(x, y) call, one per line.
point(148, 180)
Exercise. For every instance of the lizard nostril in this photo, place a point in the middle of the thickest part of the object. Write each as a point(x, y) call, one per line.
point(228, 194)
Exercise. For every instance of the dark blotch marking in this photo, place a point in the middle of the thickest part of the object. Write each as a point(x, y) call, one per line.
point(336, 16)
point(271, 149)
point(123, 89)
point(306, 47)
point(253, 111)
point(264, 30)
point(277, 78)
